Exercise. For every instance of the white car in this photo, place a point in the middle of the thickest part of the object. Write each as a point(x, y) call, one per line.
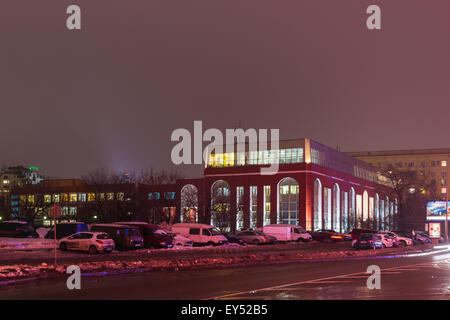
point(386, 240)
point(87, 241)
point(180, 241)
point(401, 241)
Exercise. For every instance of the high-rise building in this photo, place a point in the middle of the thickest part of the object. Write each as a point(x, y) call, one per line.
point(429, 164)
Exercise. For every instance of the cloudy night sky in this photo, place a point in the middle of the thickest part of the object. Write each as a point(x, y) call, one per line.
point(110, 95)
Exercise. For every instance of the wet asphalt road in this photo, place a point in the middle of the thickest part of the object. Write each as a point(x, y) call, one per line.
point(422, 277)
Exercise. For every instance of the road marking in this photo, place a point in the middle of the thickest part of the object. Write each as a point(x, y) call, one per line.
point(391, 270)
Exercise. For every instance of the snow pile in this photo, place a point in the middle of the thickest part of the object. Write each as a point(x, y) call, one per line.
point(42, 232)
point(20, 271)
point(25, 243)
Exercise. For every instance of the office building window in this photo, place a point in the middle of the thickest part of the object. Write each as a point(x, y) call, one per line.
point(443, 163)
point(73, 197)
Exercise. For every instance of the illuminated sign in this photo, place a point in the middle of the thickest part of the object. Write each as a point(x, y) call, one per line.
point(435, 230)
point(33, 168)
point(436, 210)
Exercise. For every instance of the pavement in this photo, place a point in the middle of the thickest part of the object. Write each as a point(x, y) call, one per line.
point(424, 276)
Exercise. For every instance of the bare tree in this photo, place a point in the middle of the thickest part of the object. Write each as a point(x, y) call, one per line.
point(412, 193)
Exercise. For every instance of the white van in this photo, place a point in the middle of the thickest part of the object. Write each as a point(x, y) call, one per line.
point(200, 233)
point(287, 232)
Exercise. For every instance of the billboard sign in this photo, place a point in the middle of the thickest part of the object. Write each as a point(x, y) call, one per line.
point(435, 230)
point(436, 210)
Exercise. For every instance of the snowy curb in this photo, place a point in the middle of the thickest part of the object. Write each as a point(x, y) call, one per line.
point(19, 273)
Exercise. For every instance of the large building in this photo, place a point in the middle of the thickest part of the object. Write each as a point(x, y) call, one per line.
point(316, 187)
point(430, 164)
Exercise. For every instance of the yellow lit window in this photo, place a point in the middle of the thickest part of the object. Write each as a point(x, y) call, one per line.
point(91, 196)
point(31, 198)
point(56, 198)
point(47, 198)
point(120, 196)
point(110, 196)
point(65, 197)
point(73, 197)
point(444, 163)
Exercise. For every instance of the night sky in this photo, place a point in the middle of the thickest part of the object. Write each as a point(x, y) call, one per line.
point(110, 95)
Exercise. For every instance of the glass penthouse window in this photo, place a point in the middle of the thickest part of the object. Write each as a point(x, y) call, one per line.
point(266, 157)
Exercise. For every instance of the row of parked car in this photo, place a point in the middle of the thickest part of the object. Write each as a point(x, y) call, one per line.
point(135, 235)
point(372, 239)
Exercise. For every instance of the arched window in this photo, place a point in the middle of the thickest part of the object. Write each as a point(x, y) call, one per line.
point(288, 191)
point(317, 223)
point(365, 213)
point(189, 203)
point(336, 208)
point(395, 214)
point(220, 205)
point(344, 211)
point(377, 212)
point(352, 209)
point(386, 213)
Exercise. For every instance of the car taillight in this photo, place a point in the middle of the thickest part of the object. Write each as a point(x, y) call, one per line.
point(371, 241)
point(336, 237)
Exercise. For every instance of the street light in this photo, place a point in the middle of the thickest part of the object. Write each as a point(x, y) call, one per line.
point(446, 211)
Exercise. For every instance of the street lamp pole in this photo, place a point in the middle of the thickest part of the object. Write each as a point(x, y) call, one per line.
point(446, 211)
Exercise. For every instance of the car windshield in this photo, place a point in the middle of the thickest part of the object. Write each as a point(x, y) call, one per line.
point(215, 232)
point(160, 231)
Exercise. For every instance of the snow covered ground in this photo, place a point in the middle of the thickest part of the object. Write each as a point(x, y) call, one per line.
point(25, 243)
point(217, 257)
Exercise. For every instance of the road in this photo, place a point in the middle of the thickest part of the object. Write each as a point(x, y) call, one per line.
point(420, 277)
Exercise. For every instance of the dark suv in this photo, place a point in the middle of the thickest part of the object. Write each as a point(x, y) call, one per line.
point(17, 229)
point(153, 235)
point(66, 229)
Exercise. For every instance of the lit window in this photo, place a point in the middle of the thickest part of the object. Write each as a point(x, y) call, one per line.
point(82, 197)
point(31, 198)
point(73, 197)
point(110, 196)
point(444, 163)
point(444, 190)
point(47, 198)
point(120, 196)
point(65, 197)
point(91, 197)
point(56, 198)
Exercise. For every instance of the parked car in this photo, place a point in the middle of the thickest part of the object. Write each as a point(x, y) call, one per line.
point(17, 229)
point(269, 239)
point(415, 238)
point(232, 238)
point(87, 241)
point(421, 237)
point(252, 237)
point(180, 241)
point(399, 240)
point(153, 235)
point(324, 235)
point(368, 241)
point(66, 229)
point(357, 232)
point(386, 240)
point(125, 237)
point(287, 232)
point(200, 234)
